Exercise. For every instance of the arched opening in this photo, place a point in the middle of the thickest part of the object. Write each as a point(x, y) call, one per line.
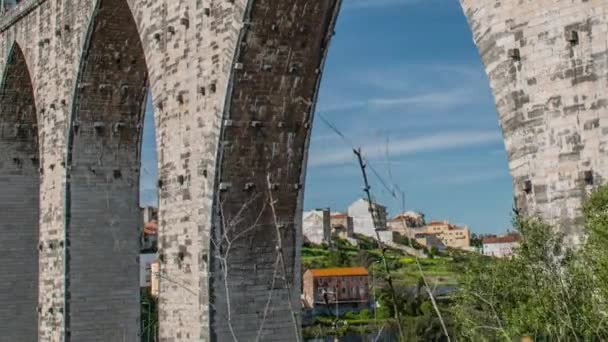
point(103, 183)
point(424, 117)
point(420, 108)
point(19, 202)
point(148, 201)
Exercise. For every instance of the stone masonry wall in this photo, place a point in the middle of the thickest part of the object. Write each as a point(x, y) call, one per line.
point(88, 167)
point(103, 180)
point(234, 86)
point(547, 62)
point(50, 34)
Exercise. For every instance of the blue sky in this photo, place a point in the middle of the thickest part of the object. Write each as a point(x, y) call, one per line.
point(403, 77)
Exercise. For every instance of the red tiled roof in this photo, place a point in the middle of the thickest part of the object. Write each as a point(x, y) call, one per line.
point(339, 272)
point(510, 238)
point(151, 228)
point(339, 216)
point(437, 223)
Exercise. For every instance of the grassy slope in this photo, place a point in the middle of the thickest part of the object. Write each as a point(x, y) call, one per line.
point(438, 271)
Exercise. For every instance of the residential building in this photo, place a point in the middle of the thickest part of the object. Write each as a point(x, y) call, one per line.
point(430, 241)
point(145, 268)
point(316, 226)
point(408, 224)
point(341, 226)
point(501, 246)
point(149, 233)
point(451, 235)
point(341, 289)
point(155, 278)
point(363, 221)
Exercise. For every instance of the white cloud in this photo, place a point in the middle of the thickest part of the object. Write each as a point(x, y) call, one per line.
point(428, 143)
point(431, 100)
point(424, 86)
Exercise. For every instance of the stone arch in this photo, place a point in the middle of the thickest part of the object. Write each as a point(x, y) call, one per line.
point(102, 188)
point(261, 169)
point(19, 201)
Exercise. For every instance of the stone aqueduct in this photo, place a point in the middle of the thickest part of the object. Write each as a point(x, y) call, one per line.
point(234, 84)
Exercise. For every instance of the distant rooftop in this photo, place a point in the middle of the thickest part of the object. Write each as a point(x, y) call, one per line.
point(509, 238)
point(339, 272)
point(439, 223)
point(407, 214)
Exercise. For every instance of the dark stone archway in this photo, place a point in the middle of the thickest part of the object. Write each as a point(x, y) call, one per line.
point(19, 202)
point(103, 181)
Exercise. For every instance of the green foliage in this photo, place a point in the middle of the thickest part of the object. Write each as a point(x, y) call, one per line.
point(417, 313)
point(366, 242)
point(338, 258)
point(476, 241)
point(149, 317)
point(418, 317)
point(596, 220)
point(433, 252)
point(403, 240)
point(548, 291)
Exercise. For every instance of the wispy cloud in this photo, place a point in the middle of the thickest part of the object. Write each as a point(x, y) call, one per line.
point(430, 100)
point(428, 143)
point(421, 86)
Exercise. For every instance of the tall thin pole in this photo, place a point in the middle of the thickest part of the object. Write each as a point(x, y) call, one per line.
point(374, 293)
point(375, 220)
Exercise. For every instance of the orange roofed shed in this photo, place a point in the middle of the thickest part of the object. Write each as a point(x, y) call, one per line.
point(339, 272)
point(348, 286)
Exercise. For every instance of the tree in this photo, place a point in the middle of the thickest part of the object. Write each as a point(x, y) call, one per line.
point(476, 240)
point(338, 258)
point(547, 291)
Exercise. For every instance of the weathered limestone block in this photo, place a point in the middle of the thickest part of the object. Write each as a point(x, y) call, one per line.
point(547, 65)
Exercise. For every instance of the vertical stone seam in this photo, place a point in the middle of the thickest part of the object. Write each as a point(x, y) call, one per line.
point(68, 168)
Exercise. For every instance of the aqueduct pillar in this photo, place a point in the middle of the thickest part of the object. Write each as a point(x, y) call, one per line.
point(547, 62)
point(234, 86)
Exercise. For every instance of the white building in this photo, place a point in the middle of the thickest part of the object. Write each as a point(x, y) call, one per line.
point(363, 222)
point(316, 226)
point(145, 268)
point(501, 246)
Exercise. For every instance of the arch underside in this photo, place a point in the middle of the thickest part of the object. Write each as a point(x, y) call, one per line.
point(19, 202)
point(103, 181)
point(262, 167)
